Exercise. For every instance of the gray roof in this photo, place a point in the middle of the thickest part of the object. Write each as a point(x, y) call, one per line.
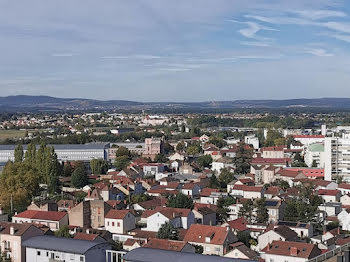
point(158, 255)
point(64, 146)
point(68, 245)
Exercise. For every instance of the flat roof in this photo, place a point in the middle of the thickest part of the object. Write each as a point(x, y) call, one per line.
point(68, 245)
point(89, 146)
point(158, 255)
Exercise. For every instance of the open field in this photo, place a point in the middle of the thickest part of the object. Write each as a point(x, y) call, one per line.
point(4, 134)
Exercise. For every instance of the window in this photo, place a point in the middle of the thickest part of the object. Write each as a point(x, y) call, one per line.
point(82, 259)
point(112, 224)
point(217, 249)
point(207, 249)
point(38, 253)
point(118, 224)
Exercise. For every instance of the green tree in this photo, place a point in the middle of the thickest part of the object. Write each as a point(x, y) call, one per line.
point(117, 245)
point(121, 162)
point(30, 155)
point(67, 169)
point(168, 148)
point(168, 231)
point(99, 166)
point(194, 149)
point(160, 158)
point(52, 170)
point(19, 153)
point(204, 161)
point(63, 232)
point(272, 136)
point(214, 182)
point(242, 159)
point(217, 141)
point(79, 177)
point(261, 211)
point(198, 249)
point(225, 177)
point(180, 146)
point(222, 208)
point(180, 201)
point(244, 237)
point(298, 161)
point(246, 210)
point(122, 151)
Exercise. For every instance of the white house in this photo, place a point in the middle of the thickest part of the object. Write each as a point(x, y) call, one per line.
point(190, 189)
point(119, 221)
point(290, 251)
point(344, 220)
point(53, 219)
point(50, 248)
point(178, 217)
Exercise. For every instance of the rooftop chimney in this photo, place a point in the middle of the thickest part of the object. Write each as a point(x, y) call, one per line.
point(293, 251)
point(12, 230)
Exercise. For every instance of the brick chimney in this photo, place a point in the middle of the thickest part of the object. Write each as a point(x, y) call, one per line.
point(268, 247)
point(293, 251)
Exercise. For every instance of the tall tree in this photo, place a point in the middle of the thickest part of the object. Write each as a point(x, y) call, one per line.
point(246, 210)
point(19, 153)
point(30, 155)
point(261, 211)
point(242, 159)
point(225, 177)
point(79, 177)
point(52, 170)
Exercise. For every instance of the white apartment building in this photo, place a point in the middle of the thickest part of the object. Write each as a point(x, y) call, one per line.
point(315, 152)
point(337, 157)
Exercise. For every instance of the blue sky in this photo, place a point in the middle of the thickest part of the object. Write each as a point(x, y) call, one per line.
point(183, 50)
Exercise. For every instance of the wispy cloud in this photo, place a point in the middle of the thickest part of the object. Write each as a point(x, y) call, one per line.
point(64, 54)
point(318, 52)
point(255, 43)
point(319, 14)
point(142, 57)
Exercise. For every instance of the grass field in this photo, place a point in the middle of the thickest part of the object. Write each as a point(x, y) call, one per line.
point(11, 134)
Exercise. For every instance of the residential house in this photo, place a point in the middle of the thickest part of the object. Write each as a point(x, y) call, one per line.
point(275, 210)
point(283, 233)
point(190, 189)
point(53, 219)
point(119, 221)
point(214, 240)
point(241, 251)
point(204, 215)
point(11, 237)
point(288, 251)
point(329, 195)
point(249, 192)
point(178, 217)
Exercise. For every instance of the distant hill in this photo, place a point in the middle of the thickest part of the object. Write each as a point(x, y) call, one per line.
point(42, 103)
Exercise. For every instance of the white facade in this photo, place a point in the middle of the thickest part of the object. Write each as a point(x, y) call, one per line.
point(337, 157)
point(252, 140)
point(120, 226)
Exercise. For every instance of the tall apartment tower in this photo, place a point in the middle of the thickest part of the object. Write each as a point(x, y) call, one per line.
point(337, 157)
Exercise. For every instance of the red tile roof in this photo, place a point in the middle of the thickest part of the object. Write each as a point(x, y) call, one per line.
point(293, 249)
point(117, 214)
point(198, 234)
point(165, 244)
point(207, 191)
point(168, 212)
point(308, 136)
point(328, 192)
point(42, 215)
point(238, 224)
point(84, 236)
